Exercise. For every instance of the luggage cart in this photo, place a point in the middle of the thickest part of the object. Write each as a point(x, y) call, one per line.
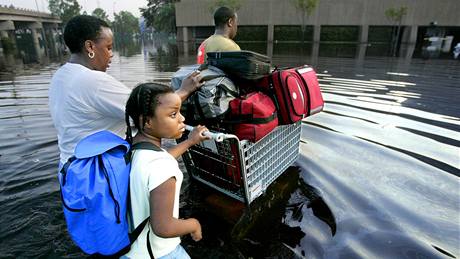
point(242, 169)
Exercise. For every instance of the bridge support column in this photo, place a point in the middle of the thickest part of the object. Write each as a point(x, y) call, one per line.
point(6, 26)
point(37, 37)
point(7, 50)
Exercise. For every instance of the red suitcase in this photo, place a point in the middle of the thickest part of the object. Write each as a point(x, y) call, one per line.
point(296, 92)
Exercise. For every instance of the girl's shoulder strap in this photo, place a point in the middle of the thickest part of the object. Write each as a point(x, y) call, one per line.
point(146, 145)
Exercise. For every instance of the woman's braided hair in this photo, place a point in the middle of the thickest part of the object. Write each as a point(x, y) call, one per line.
point(143, 101)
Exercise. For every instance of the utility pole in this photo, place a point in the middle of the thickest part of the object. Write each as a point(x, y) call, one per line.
point(36, 4)
point(113, 7)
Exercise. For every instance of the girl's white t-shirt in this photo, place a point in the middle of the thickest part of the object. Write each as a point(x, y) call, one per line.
point(83, 101)
point(149, 169)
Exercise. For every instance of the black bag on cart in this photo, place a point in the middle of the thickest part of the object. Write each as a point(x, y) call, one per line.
point(210, 103)
point(243, 64)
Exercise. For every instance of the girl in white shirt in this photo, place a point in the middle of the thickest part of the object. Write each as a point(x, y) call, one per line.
point(155, 178)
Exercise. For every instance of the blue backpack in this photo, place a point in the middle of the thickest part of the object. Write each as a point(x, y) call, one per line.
point(95, 194)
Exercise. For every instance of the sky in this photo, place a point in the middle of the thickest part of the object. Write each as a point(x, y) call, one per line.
point(109, 6)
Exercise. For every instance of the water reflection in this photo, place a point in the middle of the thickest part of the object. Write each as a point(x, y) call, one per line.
point(260, 47)
point(296, 53)
point(292, 49)
point(320, 209)
point(129, 47)
point(163, 53)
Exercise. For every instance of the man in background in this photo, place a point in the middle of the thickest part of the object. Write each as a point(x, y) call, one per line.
point(226, 26)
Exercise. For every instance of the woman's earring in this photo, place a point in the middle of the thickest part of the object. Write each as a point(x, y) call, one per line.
point(91, 55)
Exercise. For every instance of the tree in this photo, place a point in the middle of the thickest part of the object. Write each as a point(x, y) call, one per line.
point(101, 14)
point(233, 4)
point(396, 15)
point(161, 15)
point(125, 25)
point(166, 20)
point(65, 9)
point(306, 8)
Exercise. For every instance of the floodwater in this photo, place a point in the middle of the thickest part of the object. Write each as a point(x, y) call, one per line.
point(379, 167)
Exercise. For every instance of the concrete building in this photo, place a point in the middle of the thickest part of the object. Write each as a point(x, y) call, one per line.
point(367, 17)
point(28, 35)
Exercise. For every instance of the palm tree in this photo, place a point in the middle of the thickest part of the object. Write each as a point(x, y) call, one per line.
point(306, 8)
point(396, 15)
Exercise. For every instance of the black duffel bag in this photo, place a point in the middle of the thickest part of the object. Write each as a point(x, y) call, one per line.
point(242, 64)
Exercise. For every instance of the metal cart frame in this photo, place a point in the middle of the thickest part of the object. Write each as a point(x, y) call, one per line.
point(242, 169)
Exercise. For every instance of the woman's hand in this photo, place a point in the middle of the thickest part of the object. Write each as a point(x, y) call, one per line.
point(196, 136)
point(190, 84)
point(196, 234)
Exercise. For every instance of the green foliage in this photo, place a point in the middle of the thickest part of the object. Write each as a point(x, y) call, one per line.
point(378, 50)
point(166, 20)
point(8, 45)
point(130, 47)
point(379, 38)
point(161, 15)
point(232, 4)
point(290, 49)
point(306, 6)
point(125, 25)
point(340, 33)
point(101, 14)
point(259, 47)
point(292, 33)
point(381, 34)
point(396, 14)
point(251, 33)
point(65, 9)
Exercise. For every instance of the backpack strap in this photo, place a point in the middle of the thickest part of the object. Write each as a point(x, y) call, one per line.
point(63, 173)
point(141, 145)
point(149, 247)
point(136, 232)
point(146, 145)
point(132, 237)
point(64, 168)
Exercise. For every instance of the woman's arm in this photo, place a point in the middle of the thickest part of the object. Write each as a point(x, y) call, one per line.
point(194, 138)
point(161, 214)
point(189, 85)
